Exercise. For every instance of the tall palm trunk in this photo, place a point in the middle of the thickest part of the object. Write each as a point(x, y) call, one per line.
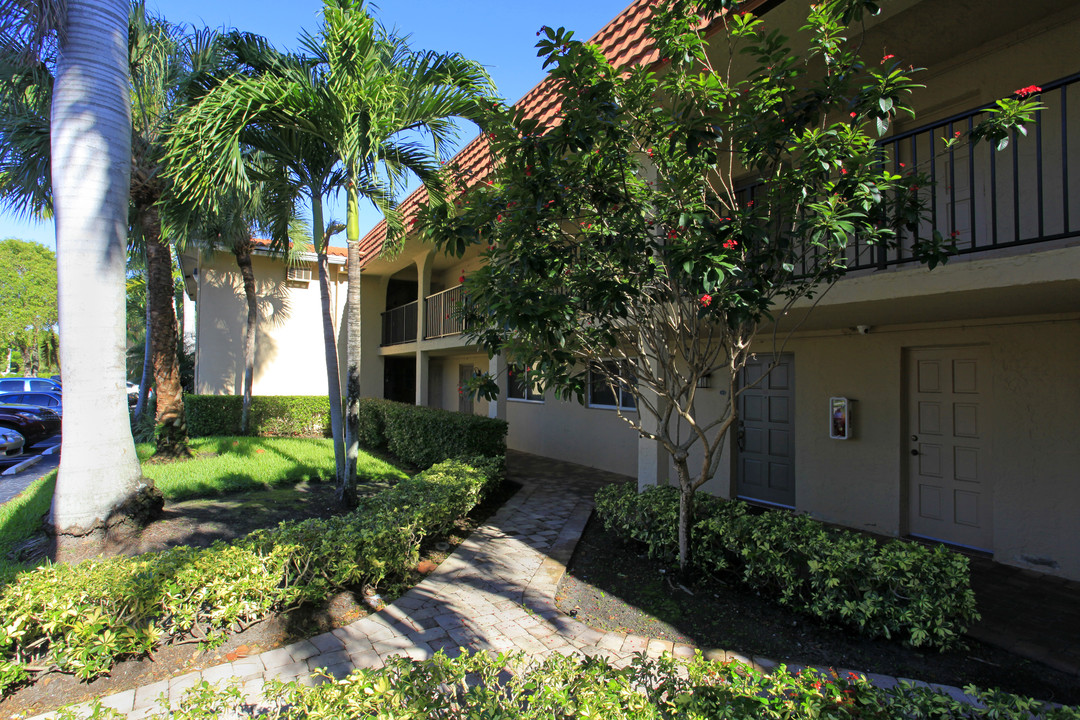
point(172, 440)
point(91, 162)
point(242, 252)
point(346, 492)
point(147, 369)
point(333, 382)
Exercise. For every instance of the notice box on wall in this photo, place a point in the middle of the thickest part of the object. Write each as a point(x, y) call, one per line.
point(839, 418)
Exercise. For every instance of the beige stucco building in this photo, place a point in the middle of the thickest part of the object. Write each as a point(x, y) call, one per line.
point(962, 382)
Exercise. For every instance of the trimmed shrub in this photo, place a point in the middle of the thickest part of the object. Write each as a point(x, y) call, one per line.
point(271, 415)
point(421, 435)
point(478, 685)
point(82, 618)
point(917, 594)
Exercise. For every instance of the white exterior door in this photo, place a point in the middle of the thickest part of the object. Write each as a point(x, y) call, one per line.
point(948, 446)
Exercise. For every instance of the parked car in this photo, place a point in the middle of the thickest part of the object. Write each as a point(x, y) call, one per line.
point(28, 384)
point(42, 398)
point(32, 422)
point(11, 443)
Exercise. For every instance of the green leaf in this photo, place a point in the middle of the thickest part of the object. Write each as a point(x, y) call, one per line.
point(886, 104)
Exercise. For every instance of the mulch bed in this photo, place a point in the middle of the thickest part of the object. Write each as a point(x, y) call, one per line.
point(613, 586)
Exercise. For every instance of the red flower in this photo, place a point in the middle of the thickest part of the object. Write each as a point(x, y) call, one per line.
point(902, 165)
point(498, 218)
point(461, 279)
point(956, 134)
point(887, 57)
point(731, 244)
point(1025, 91)
point(954, 234)
point(843, 171)
point(854, 114)
point(705, 300)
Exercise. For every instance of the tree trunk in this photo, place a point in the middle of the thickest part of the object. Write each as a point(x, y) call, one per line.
point(147, 370)
point(172, 440)
point(333, 382)
point(346, 492)
point(242, 251)
point(686, 513)
point(91, 160)
point(8, 370)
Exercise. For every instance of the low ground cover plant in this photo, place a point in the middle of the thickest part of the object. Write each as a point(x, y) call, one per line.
point(478, 686)
point(233, 463)
point(919, 595)
point(80, 619)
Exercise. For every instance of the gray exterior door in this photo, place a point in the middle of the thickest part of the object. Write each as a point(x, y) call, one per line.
point(465, 401)
point(948, 446)
point(766, 433)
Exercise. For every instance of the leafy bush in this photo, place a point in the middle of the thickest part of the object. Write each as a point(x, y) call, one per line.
point(896, 589)
point(271, 415)
point(478, 686)
point(81, 618)
point(422, 435)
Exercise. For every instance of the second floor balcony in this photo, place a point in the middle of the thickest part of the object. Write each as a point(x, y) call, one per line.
point(441, 318)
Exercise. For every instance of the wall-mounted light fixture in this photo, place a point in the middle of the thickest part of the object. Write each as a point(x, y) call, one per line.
point(705, 381)
point(863, 329)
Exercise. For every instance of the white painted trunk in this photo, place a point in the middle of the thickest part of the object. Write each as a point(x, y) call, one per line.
point(91, 166)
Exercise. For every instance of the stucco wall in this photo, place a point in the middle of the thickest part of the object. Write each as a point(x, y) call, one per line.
point(595, 437)
point(1033, 409)
point(289, 357)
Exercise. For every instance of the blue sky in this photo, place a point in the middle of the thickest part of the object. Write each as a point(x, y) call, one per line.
point(500, 35)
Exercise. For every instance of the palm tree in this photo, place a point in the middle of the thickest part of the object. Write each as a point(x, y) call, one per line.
point(90, 136)
point(338, 118)
point(163, 62)
point(231, 226)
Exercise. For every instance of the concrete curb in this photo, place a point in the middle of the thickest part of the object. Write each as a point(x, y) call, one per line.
point(28, 462)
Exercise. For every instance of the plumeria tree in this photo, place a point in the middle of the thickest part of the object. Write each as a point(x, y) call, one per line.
point(645, 245)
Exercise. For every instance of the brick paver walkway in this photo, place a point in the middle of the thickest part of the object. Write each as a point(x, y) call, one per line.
point(496, 591)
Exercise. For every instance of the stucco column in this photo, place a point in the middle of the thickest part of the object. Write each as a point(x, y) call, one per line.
point(423, 363)
point(497, 369)
point(423, 289)
point(653, 460)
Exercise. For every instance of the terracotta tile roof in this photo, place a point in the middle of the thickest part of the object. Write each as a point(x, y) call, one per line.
point(624, 41)
point(338, 251)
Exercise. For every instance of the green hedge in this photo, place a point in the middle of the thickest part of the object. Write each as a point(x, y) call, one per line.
point(271, 415)
point(82, 618)
point(918, 594)
point(420, 435)
point(480, 686)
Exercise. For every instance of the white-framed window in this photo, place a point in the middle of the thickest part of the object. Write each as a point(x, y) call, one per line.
point(519, 386)
point(603, 394)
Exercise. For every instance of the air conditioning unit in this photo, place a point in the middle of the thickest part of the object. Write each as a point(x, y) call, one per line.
point(300, 274)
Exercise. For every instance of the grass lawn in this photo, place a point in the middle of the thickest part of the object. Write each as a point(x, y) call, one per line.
point(227, 464)
point(220, 465)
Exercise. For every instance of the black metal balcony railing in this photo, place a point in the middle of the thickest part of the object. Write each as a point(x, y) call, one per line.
point(441, 313)
point(399, 324)
point(982, 198)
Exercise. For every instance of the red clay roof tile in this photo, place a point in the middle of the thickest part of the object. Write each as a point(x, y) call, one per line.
point(624, 41)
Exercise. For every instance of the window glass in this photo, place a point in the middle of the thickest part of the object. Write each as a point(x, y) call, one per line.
point(603, 394)
point(11, 385)
point(41, 385)
point(520, 387)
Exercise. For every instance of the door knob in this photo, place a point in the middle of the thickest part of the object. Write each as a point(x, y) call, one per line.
point(914, 452)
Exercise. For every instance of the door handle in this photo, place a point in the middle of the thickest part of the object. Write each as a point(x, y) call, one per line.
point(914, 452)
